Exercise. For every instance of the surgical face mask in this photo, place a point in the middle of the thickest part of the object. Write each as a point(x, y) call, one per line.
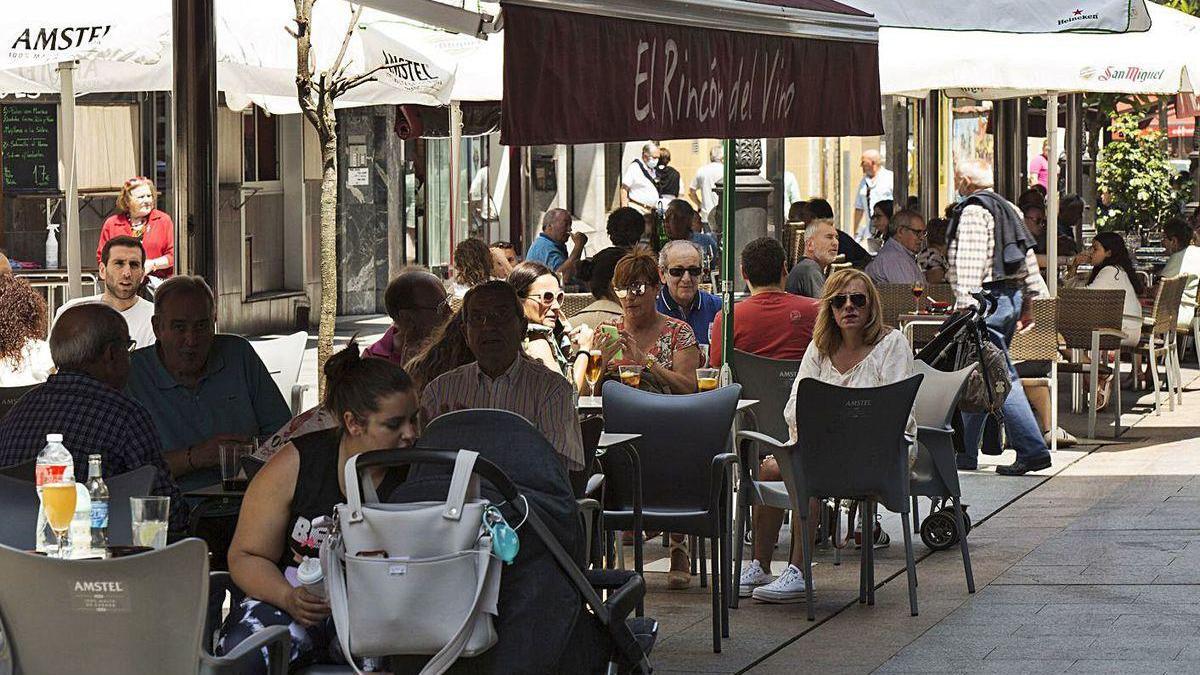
point(652, 163)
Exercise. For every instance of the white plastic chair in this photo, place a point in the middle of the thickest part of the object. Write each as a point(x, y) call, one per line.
point(282, 357)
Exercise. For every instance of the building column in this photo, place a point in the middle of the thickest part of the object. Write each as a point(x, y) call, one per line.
point(928, 154)
point(896, 137)
point(194, 106)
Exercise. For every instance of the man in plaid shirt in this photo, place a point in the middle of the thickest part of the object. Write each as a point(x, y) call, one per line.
point(986, 231)
point(83, 401)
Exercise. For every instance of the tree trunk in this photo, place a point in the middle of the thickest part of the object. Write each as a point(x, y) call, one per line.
point(329, 262)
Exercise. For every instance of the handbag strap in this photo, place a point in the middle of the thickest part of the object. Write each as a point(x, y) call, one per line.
point(462, 481)
point(335, 587)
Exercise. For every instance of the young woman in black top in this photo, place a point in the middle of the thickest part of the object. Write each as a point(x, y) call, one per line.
point(376, 407)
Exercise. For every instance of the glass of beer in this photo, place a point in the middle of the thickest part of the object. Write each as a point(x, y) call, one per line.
point(149, 516)
point(593, 370)
point(706, 378)
point(58, 501)
point(631, 375)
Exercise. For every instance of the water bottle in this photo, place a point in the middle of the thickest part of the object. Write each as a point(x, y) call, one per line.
point(311, 576)
point(54, 465)
point(98, 497)
point(51, 246)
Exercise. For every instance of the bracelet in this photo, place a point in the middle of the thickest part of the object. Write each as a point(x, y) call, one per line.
point(650, 362)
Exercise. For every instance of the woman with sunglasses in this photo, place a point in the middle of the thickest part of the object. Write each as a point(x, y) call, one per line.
point(850, 348)
point(137, 217)
point(549, 339)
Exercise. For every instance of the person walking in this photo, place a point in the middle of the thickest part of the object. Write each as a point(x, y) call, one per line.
point(992, 250)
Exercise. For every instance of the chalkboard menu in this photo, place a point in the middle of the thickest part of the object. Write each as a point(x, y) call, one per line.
point(29, 151)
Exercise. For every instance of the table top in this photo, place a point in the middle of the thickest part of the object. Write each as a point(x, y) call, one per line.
point(922, 318)
point(595, 404)
point(607, 440)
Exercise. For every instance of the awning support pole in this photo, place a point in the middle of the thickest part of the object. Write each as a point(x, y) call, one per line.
point(455, 161)
point(728, 244)
point(66, 154)
point(1052, 195)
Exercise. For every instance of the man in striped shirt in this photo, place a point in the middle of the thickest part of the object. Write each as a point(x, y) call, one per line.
point(502, 377)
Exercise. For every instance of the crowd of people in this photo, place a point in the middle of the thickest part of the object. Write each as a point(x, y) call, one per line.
point(154, 383)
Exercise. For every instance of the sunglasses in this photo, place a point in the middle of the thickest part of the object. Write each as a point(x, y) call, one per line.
point(636, 290)
point(677, 272)
point(442, 306)
point(502, 245)
point(838, 301)
point(548, 298)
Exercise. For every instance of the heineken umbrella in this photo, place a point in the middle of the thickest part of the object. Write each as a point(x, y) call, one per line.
point(594, 71)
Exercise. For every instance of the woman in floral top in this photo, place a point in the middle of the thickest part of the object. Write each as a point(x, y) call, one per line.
point(665, 348)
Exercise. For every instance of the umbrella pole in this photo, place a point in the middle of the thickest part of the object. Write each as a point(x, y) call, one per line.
point(66, 155)
point(727, 256)
point(1052, 195)
point(455, 161)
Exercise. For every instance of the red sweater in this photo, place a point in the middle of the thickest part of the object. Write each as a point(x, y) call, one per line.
point(158, 238)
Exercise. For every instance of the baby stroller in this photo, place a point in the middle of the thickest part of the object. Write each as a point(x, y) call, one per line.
point(960, 342)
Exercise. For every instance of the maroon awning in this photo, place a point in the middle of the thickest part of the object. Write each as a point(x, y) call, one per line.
point(571, 77)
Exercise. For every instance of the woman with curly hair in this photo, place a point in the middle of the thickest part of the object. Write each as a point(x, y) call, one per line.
point(24, 352)
point(473, 264)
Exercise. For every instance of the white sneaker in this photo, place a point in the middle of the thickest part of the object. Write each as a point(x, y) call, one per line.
point(789, 587)
point(753, 576)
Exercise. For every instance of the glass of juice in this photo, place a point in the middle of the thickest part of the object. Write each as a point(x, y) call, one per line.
point(150, 520)
point(631, 375)
point(58, 500)
point(706, 378)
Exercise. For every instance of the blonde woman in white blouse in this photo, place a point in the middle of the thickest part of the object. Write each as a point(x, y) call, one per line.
point(850, 348)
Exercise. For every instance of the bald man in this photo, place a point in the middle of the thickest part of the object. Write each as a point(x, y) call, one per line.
point(5, 267)
point(416, 301)
point(83, 401)
point(876, 185)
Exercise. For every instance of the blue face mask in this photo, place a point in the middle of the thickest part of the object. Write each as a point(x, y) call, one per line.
point(652, 163)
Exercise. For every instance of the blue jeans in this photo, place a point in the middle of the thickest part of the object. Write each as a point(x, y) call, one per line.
point(1024, 434)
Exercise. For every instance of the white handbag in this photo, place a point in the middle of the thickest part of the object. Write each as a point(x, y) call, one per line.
point(413, 578)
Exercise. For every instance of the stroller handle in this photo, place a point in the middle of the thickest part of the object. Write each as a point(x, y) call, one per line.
point(987, 302)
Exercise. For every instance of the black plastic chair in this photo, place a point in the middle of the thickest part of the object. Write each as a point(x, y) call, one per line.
point(10, 395)
point(19, 505)
point(25, 471)
point(136, 483)
point(935, 474)
point(770, 381)
point(851, 444)
point(686, 474)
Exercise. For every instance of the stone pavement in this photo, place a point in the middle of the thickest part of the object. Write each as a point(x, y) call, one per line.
point(1090, 566)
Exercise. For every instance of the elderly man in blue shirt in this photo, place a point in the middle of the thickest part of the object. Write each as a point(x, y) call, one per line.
point(550, 247)
point(201, 388)
point(896, 262)
point(680, 267)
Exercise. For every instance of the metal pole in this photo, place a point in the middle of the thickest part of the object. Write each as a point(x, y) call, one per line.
point(1074, 144)
point(455, 161)
point(1052, 195)
point(728, 228)
point(66, 153)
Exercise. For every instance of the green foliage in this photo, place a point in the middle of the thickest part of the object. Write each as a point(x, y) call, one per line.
point(1134, 172)
point(1186, 6)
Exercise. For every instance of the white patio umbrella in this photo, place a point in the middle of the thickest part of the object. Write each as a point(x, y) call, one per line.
point(105, 51)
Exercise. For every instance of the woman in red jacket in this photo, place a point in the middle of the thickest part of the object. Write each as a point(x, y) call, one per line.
point(137, 217)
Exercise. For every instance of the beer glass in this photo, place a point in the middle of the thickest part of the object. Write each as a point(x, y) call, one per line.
point(58, 501)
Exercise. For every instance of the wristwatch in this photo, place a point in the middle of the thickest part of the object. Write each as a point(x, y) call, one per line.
point(649, 362)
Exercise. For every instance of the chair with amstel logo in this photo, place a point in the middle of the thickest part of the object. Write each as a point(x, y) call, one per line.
point(136, 614)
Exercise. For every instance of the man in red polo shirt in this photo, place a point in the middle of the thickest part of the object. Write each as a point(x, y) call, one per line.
point(778, 325)
point(771, 322)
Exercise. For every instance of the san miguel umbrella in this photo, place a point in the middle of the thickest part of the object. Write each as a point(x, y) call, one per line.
point(595, 71)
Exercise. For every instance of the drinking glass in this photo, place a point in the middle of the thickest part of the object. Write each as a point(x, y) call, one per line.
point(706, 378)
point(631, 375)
point(918, 289)
point(58, 501)
point(233, 478)
point(593, 370)
point(149, 516)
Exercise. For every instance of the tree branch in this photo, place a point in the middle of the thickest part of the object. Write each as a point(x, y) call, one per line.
point(337, 63)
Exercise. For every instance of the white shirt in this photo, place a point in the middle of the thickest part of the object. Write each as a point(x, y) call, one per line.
point(36, 364)
point(791, 191)
point(871, 191)
point(137, 317)
point(705, 185)
point(889, 362)
point(1186, 261)
point(641, 189)
point(1113, 278)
